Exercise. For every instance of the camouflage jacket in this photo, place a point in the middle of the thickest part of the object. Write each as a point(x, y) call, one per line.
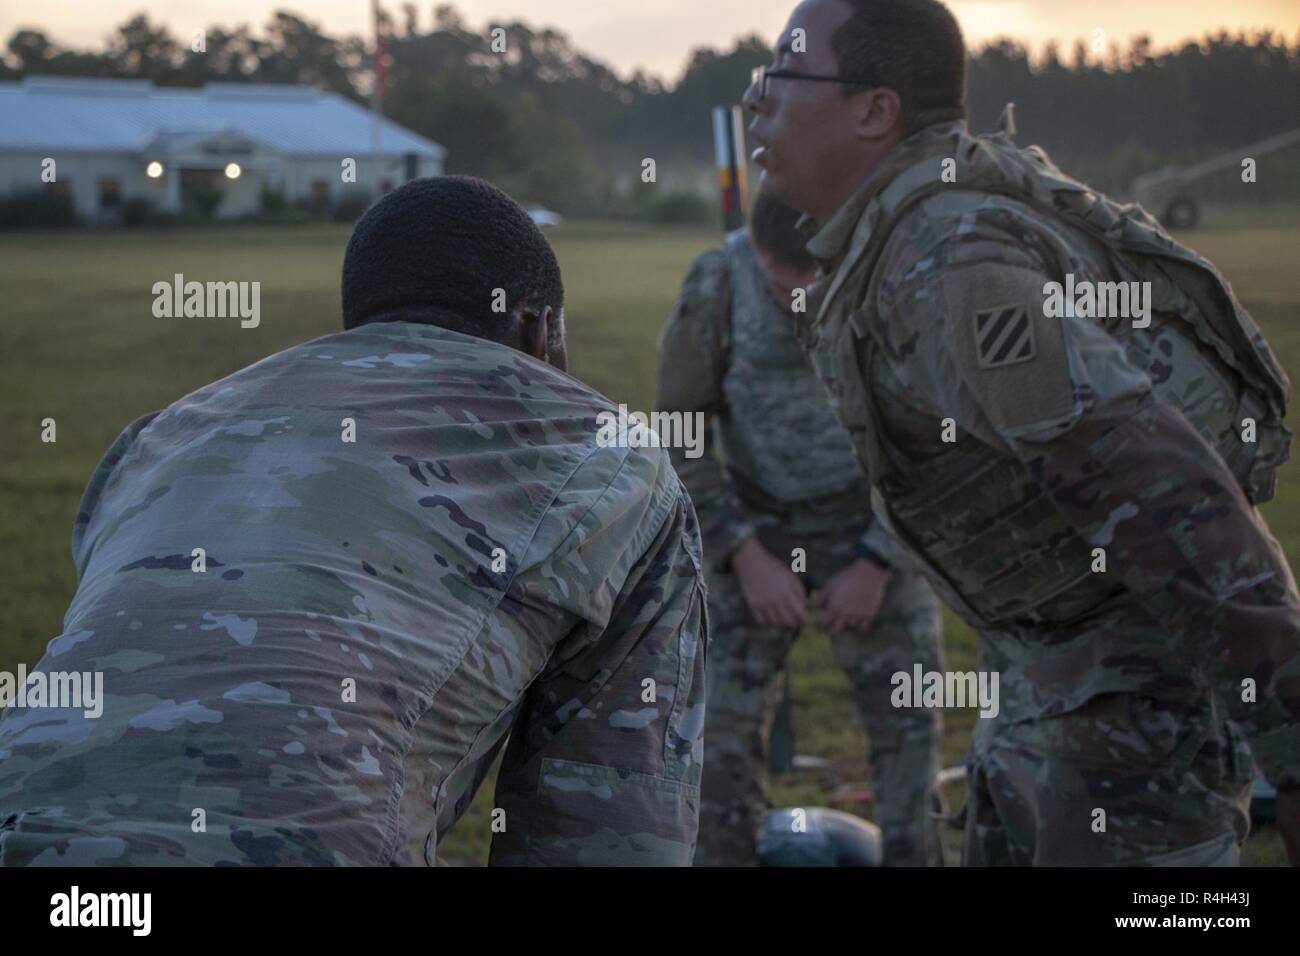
point(731, 352)
point(1006, 448)
point(412, 545)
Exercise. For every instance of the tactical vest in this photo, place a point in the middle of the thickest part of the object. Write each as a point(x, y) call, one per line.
point(1045, 577)
point(779, 432)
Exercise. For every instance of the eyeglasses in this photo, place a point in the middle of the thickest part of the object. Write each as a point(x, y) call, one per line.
point(762, 74)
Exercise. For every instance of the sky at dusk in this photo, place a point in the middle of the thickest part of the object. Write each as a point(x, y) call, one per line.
point(658, 35)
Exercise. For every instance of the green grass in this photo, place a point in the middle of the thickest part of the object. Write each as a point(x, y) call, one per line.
point(81, 346)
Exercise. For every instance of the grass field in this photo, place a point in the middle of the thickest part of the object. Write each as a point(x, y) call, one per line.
point(81, 346)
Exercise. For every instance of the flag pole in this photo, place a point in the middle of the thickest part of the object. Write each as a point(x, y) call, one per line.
point(377, 103)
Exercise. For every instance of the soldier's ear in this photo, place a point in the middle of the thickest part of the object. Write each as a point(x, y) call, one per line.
point(536, 327)
point(880, 113)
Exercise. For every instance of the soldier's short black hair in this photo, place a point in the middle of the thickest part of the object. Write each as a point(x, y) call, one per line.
point(772, 228)
point(915, 48)
point(437, 249)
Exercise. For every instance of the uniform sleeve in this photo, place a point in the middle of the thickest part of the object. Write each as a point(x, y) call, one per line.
point(1128, 471)
point(103, 475)
point(879, 546)
point(693, 356)
point(603, 765)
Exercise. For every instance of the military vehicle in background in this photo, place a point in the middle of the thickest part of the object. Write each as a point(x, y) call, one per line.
point(1169, 193)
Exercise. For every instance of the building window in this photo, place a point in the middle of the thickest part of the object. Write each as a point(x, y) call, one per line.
point(110, 194)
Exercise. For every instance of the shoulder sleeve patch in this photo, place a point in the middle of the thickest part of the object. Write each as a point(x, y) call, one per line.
point(1003, 335)
point(1013, 359)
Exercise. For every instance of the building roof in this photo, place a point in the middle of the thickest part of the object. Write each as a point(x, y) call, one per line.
point(126, 116)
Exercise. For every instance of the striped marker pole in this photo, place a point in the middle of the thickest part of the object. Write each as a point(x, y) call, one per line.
point(729, 155)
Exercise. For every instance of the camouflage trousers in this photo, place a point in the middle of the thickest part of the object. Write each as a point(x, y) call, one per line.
point(1123, 780)
point(743, 683)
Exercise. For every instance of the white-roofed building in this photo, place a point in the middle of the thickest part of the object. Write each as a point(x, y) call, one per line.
point(225, 144)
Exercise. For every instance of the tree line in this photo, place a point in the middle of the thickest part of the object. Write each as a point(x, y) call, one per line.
point(553, 125)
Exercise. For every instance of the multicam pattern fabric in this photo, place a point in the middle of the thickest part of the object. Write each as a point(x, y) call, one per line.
point(1004, 481)
point(784, 470)
point(374, 618)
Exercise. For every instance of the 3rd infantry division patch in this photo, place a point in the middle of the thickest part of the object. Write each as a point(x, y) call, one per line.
point(1004, 336)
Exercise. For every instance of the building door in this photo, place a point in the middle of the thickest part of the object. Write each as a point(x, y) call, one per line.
point(201, 191)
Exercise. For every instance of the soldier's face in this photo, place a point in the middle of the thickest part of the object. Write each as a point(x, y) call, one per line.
point(807, 133)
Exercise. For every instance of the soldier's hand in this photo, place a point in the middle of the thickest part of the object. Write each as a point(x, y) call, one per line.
point(851, 598)
point(1288, 822)
point(774, 594)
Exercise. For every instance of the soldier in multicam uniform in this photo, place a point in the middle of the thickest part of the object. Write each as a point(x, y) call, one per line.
point(787, 479)
point(1093, 514)
point(377, 615)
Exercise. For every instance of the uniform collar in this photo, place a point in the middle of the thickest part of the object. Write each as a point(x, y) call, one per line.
point(425, 335)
